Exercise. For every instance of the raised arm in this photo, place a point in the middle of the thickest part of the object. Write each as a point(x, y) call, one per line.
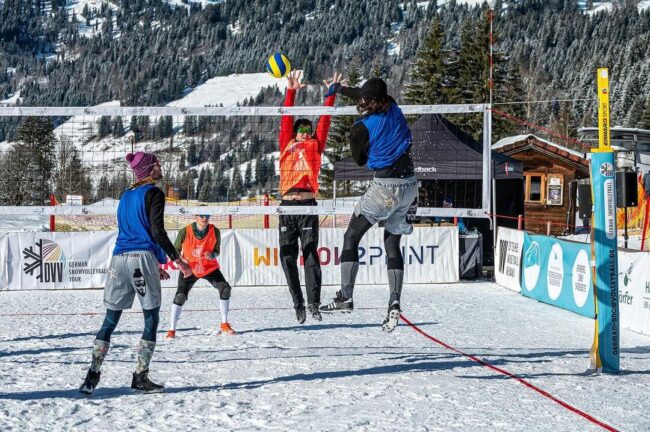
point(325, 121)
point(286, 124)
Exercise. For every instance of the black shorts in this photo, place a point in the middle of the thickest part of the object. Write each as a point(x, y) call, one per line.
point(215, 278)
point(294, 227)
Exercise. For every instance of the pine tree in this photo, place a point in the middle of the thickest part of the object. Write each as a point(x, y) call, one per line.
point(236, 184)
point(103, 189)
point(204, 191)
point(645, 118)
point(104, 126)
point(71, 177)
point(248, 175)
point(26, 172)
point(428, 72)
point(118, 128)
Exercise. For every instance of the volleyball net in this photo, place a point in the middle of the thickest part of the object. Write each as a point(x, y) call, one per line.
point(69, 162)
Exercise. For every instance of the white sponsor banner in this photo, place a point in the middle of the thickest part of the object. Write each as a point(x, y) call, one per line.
point(634, 290)
point(248, 257)
point(430, 256)
point(507, 259)
point(58, 260)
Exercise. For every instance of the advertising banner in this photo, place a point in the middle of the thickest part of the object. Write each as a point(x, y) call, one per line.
point(510, 243)
point(557, 272)
point(605, 248)
point(634, 291)
point(74, 260)
point(430, 256)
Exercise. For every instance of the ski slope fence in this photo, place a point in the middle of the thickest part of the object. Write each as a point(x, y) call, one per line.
point(559, 272)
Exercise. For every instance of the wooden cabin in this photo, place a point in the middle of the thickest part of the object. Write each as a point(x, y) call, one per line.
point(551, 172)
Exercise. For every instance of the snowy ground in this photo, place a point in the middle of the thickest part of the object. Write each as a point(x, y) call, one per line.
point(341, 374)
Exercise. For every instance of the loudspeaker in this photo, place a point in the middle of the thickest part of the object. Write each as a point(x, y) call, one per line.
point(626, 189)
point(584, 200)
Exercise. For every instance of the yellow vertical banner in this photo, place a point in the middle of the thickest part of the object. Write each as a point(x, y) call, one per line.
point(604, 143)
point(604, 354)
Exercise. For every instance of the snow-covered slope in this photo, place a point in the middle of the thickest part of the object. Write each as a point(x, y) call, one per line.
point(226, 91)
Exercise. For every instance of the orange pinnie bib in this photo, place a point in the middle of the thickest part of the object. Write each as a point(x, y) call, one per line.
point(300, 165)
point(193, 250)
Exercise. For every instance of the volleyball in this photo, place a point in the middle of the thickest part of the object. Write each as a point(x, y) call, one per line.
point(278, 65)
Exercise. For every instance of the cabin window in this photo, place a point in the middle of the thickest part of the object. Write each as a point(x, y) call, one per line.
point(535, 187)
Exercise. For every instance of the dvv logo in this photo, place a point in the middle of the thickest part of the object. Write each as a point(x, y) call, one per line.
point(45, 261)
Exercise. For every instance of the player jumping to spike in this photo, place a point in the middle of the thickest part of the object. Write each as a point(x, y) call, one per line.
point(301, 151)
point(380, 139)
point(142, 244)
point(199, 243)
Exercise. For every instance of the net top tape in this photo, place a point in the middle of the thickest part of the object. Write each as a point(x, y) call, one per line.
point(67, 210)
point(226, 111)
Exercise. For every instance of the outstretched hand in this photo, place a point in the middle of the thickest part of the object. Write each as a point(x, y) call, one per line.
point(334, 84)
point(336, 79)
point(294, 80)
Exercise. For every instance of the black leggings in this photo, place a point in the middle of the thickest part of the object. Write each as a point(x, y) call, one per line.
point(357, 228)
point(151, 320)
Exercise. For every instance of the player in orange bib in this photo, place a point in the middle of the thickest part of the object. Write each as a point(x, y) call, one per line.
point(199, 243)
point(301, 151)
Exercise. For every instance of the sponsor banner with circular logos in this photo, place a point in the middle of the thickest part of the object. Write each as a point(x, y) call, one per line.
point(557, 272)
point(634, 290)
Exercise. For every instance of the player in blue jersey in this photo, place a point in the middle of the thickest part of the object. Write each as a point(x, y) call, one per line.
point(142, 244)
point(381, 140)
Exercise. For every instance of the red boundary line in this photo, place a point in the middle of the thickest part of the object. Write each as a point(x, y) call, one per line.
point(513, 376)
point(102, 312)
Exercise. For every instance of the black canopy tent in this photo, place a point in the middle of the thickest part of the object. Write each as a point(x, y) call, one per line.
point(447, 159)
point(441, 151)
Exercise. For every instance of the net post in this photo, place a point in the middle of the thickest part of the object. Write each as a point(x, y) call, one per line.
point(604, 237)
point(52, 217)
point(266, 216)
point(487, 148)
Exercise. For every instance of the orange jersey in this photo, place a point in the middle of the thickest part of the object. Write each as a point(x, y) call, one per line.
point(300, 165)
point(300, 161)
point(194, 249)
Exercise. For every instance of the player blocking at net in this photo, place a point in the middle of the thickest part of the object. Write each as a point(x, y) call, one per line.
point(380, 139)
point(301, 151)
point(199, 244)
point(142, 244)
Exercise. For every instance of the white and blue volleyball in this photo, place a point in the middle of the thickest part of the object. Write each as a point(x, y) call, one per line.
point(278, 65)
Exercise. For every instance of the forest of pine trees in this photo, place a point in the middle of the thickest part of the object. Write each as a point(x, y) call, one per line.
point(147, 52)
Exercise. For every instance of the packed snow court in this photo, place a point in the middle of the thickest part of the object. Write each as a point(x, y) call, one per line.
point(343, 373)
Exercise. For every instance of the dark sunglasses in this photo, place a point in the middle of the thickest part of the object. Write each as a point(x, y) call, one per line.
point(205, 216)
point(304, 129)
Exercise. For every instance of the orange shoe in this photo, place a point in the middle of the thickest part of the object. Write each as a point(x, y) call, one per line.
point(225, 328)
point(171, 334)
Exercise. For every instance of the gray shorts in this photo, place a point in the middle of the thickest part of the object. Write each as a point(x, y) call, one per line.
point(132, 273)
point(392, 200)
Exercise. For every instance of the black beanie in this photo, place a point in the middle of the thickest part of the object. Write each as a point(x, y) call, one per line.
point(374, 88)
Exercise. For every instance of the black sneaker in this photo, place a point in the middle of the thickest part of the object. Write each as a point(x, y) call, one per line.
point(91, 381)
point(142, 383)
point(315, 313)
point(301, 313)
point(392, 318)
point(339, 303)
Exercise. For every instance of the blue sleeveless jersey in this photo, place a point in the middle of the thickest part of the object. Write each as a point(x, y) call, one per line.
point(134, 227)
point(389, 136)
